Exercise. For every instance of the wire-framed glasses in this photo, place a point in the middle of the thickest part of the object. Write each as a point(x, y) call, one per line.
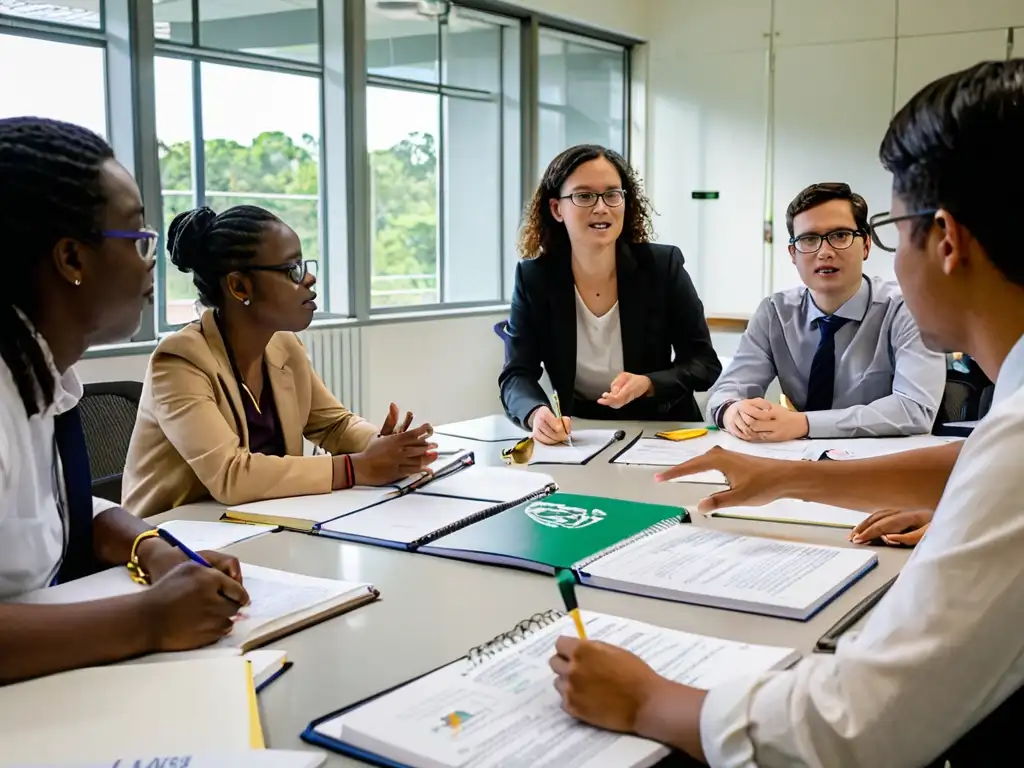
point(839, 239)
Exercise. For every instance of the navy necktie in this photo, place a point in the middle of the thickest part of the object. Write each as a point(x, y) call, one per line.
point(79, 560)
point(821, 383)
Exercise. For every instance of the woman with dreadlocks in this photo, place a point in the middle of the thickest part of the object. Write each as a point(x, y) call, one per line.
point(228, 399)
point(80, 263)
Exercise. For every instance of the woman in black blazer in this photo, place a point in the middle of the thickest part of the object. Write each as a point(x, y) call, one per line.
point(600, 306)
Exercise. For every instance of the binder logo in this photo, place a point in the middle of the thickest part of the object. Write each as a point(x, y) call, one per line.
point(555, 515)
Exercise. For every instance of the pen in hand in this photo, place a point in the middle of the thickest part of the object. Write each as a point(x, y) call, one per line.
point(174, 541)
point(558, 415)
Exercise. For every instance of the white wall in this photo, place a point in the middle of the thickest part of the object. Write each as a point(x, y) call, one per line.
point(720, 119)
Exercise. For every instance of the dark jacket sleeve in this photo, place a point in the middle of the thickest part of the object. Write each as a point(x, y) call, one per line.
point(696, 366)
point(519, 381)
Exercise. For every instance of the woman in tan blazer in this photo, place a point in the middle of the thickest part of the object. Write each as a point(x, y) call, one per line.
point(227, 400)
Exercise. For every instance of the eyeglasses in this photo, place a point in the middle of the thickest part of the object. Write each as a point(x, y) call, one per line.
point(613, 198)
point(884, 232)
point(296, 271)
point(145, 239)
point(839, 239)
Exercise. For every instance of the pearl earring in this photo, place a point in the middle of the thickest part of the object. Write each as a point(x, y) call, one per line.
point(78, 282)
point(246, 302)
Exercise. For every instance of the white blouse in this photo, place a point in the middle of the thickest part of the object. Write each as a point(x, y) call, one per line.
point(598, 349)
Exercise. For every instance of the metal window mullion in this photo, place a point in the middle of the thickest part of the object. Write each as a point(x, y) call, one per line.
point(198, 142)
point(357, 160)
point(529, 84)
point(334, 225)
point(442, 207)
point(240, 59)
point(501, 164)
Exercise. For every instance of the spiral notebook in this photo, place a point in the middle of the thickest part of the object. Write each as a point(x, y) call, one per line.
point(416, 519)
point(305, 513)
point(692, 564)
point(497, 706)
point(562, 530)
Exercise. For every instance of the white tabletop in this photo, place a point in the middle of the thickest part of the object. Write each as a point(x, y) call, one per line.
point(433, 610)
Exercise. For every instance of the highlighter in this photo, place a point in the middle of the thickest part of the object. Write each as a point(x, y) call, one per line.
point(567, 586)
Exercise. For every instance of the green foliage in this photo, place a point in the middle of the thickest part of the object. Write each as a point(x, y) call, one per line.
point(404, 202)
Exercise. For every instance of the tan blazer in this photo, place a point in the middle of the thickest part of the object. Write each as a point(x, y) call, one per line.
point(191, 440)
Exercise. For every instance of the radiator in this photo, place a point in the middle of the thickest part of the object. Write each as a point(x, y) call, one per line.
point(336, 354)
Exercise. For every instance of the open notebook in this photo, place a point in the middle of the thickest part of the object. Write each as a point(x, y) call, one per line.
point(99, 713)
point(281, 602)
point(692, 564)
point(440, 508)
point(304, 513)
point(497, 706)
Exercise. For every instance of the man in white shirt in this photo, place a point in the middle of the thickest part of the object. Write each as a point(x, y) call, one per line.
point(936, 669)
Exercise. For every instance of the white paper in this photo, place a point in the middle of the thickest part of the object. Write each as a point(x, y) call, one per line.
point(198, 535)
point(728, 570)
point(318, 508)
point(256, 758)
point(795, 511)
point(491, 429)
point(505, 712)
point(277, 597)
point(407, 518)
point(585, 444)
point(870, 447)
point(494, 484)
point(97, 713)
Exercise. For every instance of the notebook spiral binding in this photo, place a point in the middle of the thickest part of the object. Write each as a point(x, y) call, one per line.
point(664, 525)
point(517, 634)
point(484, 514)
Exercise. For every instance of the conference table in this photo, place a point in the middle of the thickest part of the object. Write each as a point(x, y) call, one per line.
point(432, 610)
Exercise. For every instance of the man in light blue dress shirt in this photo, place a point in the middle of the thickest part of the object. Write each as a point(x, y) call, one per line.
point(846, 351)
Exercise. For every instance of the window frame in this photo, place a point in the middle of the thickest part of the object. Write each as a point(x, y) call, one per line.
point(127, 34)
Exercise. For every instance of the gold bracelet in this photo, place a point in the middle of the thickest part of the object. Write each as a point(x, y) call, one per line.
point(138, 575)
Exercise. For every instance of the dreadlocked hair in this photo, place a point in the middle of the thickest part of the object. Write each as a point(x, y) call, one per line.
point(212, 245)
point(50, 189)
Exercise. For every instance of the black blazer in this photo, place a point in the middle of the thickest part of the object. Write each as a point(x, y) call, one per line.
point(659, 311)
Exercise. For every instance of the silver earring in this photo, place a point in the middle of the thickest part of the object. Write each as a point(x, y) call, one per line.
point(78, 282)
point(246, 302)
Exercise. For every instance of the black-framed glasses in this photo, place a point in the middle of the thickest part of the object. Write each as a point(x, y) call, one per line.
point(296, 271)
point(884, 232)
point(839, 239)
point(613, 198)
point(145, 239)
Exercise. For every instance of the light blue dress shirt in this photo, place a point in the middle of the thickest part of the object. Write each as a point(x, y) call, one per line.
point(887, 382)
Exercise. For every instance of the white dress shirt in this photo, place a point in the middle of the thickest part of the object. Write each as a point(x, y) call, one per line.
point(886, 382)
point(598, 349)
point(32, 531)
point(941, 650)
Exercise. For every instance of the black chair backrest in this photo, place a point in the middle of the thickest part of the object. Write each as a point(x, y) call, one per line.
point(108, 417)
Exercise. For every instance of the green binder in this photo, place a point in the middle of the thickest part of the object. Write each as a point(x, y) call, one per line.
point(562, 530)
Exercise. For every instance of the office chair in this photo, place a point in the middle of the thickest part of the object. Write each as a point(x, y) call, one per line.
point(108, 417)
point(501, 330)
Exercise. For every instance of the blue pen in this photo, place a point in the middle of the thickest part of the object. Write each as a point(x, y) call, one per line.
point(174, 542)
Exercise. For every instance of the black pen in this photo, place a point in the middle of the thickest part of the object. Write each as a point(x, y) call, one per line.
point(829, 641)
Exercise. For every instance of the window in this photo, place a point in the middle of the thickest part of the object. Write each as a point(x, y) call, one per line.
point(63, 81)
point(81, 13)
point(252, 137)
point(582, 94)
point(443, 136)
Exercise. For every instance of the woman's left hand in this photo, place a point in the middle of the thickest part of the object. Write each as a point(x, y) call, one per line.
point(391, 425)
point(625, 388)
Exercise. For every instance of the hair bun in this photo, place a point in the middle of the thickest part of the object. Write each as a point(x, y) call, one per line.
point(185, 237)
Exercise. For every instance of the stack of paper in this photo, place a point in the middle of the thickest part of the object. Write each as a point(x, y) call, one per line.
point(200, 535)
point(253, 758)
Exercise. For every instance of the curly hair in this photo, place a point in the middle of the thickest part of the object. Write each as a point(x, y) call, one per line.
point(541, 233)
